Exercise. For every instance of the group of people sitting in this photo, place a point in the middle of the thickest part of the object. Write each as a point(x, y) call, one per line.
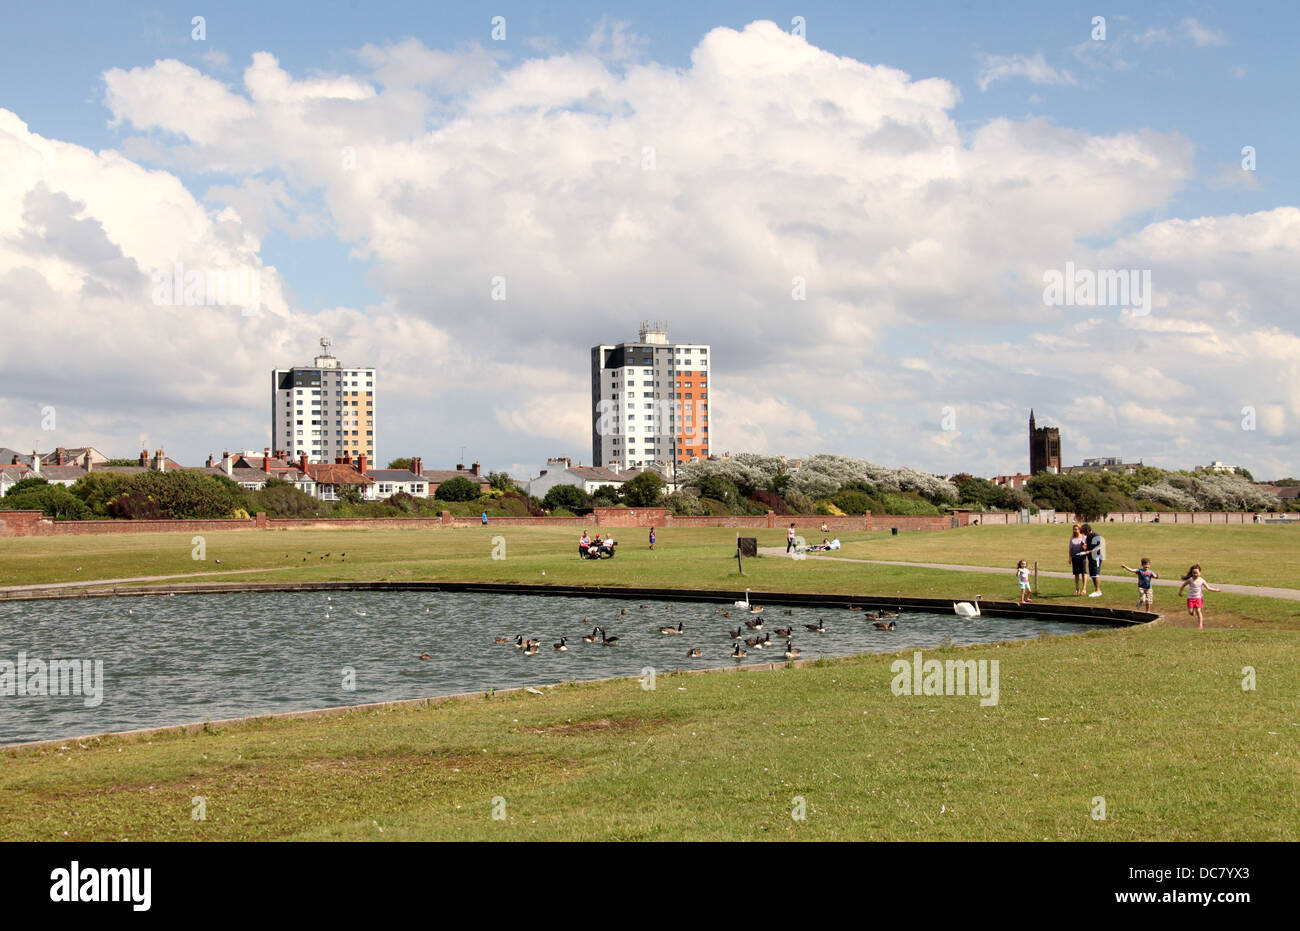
point(597, 548)
point(826, 545)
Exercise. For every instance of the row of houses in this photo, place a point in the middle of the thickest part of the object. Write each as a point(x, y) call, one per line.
point(325, 481)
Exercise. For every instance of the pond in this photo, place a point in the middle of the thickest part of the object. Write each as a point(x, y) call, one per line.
point(187, 658)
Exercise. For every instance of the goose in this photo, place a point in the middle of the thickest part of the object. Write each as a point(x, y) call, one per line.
point(756, 609)
point(671, 630)
point(593, 637)
point(818, 628)
point(726, 614)
point(693, 653)
point(854, 607)
point(791, 651)
point(742, 604)
point(501, 640)
point(754, 625)
point(735, 634)
point(519, 642)
point(882, 625)
point(783, 631)
point(607, 641)
point(886, 615)
point(738, 652)
point(562, 645)
point(753, 642)
point(532, 648)
point(766, 641)
point(966, 609)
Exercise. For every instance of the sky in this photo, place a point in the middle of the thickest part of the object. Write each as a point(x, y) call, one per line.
point(870, 212)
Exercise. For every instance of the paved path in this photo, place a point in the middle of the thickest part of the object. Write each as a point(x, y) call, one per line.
point(90, 583)
point(1290, 594)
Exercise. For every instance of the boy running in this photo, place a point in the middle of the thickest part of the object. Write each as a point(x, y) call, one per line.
point(1146, 593)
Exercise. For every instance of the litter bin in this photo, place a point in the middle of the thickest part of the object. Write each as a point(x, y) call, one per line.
point(748, 546)
point(893, 531)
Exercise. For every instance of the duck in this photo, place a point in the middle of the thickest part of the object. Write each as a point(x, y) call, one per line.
point(754, 625)
point(742, 604)
point(424, 656)
point(966, 609)
point(607, 641)
point(783, 631)
point(694, 653)
point(593, 637)
point(854, 607)
point(788, 613)
point(791, 651)
point(672, 630)
point(738, 652)
point(726, 614)
point(735, 634)
point(623, 612)
point(882, 625)
point(562, 646)
point(818, 628)
point(501, 640)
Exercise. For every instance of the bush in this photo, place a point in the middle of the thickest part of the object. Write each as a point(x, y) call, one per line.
point(714, 508)
point(771, 501)
point(135, 505)
point(908, 503)
point(825, 507)
point(457, 488)
point(565, 496)
point(798, 502)
point(858, 502)
point(644, 491)
point(720, 488)
point(278, 498)
point(25, 483)
point(55, 500)
point(685, 501)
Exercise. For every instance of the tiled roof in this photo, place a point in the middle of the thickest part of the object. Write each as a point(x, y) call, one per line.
point(333, 474)
point(437, 476)
point(601, 474)
point(395, 475)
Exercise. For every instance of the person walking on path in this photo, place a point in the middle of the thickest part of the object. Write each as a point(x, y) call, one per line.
point(789, 540)
point(1146, 593)
point(1196, 584)
point(1078, 562)
point(1094, 549)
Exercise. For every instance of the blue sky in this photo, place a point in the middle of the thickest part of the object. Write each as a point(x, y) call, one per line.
point(1206, 79)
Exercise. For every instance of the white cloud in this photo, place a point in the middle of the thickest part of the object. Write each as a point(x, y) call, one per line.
point(994, 68)
point(1201, 36)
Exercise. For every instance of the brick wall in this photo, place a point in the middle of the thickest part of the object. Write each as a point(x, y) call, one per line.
point(915, 521)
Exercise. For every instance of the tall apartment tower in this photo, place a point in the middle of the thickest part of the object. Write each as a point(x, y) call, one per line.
point(649, 400)
point(1044, 448)
point(324, 410)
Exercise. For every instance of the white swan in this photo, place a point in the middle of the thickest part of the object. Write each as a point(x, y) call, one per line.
point(966, 609)
point(745, 603)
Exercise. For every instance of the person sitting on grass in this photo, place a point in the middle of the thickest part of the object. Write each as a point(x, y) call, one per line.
point(834, 544)
point(1022, 576)
point(1194, 582)
point(1146, 593)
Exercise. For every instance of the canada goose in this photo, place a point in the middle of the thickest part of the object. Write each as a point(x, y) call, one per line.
point(966, 609)
point(671, 630)
point(424, 656)
point(607, 641)
point(562, 645)
point(693, 653)
point(519, 642)
point(886, 615)
point(501, 640)
point(754, 625)
point(593, 637)
point(818, 628)
point(791, 651)
point(756, 609)
point(765, 641)
point(735, 634)
point(783, 631)
point(742, 604)
point(883, 625)
point(752, 642)
point(738, 652)
point(532, 648)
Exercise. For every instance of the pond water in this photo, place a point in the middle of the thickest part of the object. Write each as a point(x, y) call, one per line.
point(185, 658)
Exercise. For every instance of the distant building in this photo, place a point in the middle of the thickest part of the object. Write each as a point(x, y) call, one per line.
point(588, 478)
point(649, 400)
point(1217, 466)
point(1010, 481)
point(436, 477)
point(1044, 448)
point(324, 410)
point(1104, 464)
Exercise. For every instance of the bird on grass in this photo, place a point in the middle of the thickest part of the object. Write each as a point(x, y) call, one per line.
point(818, 628)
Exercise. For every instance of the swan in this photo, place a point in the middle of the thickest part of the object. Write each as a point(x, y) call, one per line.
point(745, 603)
point(966, 609)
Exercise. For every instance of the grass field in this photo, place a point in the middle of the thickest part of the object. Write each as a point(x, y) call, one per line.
point(1154, 720)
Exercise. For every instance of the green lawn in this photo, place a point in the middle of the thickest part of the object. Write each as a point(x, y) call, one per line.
point(1153, 719)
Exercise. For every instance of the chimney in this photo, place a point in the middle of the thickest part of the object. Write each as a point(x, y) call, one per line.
point(541, 473)
point(58, 456)
point(302, 463)
point(347, 459)
point(417, 465)
point(474, 468)
point(228, 463)
point(614, 466)
point(36, 464)
point(88, 463)
point(460, 467)
point(266, 464)
point(159, 461)
point(144, 457)
point(212, 461)
point(361, 464)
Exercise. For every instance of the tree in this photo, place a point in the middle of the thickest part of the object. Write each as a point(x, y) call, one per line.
point(55, 500)
point(565, 496)
point(24, 483)
point(500, 481)
point(644, 491)
point(720, 488)
point(457, 488)
point(405, 462)
point(978, 491)
point(605, 496)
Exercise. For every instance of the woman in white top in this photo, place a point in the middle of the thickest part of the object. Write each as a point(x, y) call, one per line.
point(1196, 584)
